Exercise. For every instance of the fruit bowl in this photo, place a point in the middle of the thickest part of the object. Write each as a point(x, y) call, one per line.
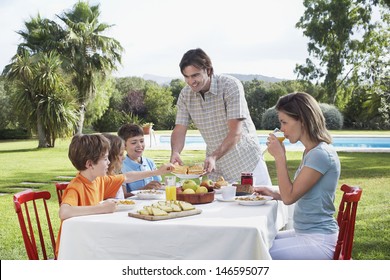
point(196, 198)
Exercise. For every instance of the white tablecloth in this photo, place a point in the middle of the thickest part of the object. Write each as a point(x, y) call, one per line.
point(224, 230)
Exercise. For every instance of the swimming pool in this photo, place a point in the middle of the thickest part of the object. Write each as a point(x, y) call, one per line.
point(339, 141)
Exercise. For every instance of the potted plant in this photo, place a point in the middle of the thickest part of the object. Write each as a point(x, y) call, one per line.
point(147, 127)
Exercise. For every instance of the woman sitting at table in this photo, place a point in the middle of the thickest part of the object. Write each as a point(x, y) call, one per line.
point(313, 190)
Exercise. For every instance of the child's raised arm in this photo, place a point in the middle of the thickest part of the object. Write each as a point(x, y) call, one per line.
point(133, 176)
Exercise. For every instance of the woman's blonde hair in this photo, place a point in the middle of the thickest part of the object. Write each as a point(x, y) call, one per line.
point(303, 107)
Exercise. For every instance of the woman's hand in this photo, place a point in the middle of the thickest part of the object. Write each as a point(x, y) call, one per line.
point(267, 191)
point(275, 147)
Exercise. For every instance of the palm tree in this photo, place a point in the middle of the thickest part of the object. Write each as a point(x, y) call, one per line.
point(43, 94)
point(56, 107)
point(88, 52)
point(43, 97)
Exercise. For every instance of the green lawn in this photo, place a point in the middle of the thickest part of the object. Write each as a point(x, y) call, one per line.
point(24, 166)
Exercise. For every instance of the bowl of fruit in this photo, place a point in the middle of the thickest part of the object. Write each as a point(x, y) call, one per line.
point(193, 193)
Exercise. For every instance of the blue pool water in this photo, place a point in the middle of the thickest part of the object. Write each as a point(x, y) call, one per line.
point(338, 141)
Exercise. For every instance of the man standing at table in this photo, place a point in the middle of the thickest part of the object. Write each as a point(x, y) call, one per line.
point(217, 106)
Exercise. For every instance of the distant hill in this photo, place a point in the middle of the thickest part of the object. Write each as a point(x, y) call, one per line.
point(161, 80)
point(250, 77)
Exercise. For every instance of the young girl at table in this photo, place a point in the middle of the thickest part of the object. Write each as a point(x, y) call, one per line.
point(116, 157)
point(89, 154)
point(133, 136)
point(315, 231)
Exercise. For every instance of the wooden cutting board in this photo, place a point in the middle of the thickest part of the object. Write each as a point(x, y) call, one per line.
point(171, 215)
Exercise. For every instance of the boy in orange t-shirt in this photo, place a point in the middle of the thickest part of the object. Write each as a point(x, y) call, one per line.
point(89, 154)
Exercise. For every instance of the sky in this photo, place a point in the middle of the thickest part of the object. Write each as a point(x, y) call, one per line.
point(240, 36)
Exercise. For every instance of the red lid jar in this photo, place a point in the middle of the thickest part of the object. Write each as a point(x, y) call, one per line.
point(247, 178)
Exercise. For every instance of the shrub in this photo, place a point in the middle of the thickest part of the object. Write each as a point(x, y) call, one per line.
point(334, 119)
point(270, 119)
point(113, 119)
point(18, 133)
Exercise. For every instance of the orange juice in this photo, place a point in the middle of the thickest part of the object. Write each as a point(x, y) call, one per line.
point(279, 134)
point(281, 138)
point(170, 193)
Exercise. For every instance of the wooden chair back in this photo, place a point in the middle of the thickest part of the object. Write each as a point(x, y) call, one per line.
point(34, 219)
point(60, 187)
point(346, 218)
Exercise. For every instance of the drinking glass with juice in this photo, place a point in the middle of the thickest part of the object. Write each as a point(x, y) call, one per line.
point(170, 188)
point(278, 134)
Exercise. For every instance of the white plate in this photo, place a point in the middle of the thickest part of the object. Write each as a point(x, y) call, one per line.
point(149, 195)
point(253, 202)
point(122, 206)
point(188, 176)
point(225, 200)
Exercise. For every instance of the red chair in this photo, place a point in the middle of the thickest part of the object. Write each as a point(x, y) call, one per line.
point(38, 222)
point(346, 219)
point(60, 187)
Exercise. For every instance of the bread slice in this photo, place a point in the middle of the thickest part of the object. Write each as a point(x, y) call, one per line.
point(244, 188)
point(220, 183)
point(180, 169)
point(165, 208)
point(143, 212)
point(158, 212)
point(196, 169)
point(186, 205)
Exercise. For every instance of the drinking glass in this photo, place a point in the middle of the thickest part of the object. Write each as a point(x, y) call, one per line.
point(170, 188)
point(278, 134)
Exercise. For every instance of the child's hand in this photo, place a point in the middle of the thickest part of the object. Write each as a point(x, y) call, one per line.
point(166, 168)
point(109, 206)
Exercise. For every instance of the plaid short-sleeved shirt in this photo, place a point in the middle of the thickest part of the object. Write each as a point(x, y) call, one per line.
point(224, 101)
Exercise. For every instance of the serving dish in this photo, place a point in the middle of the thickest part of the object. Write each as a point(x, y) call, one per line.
point(253, 200)
point(149, 194)
point(188, 176)
point(196, 198)
point(122, 204)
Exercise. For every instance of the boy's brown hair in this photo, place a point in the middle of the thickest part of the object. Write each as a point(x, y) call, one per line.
point(127, 131)
point(84, 147)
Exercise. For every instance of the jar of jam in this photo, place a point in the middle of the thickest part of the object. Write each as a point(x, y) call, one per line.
point(247, 178)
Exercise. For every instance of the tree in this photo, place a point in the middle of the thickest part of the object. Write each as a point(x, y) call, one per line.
point(339, 32)
point(260, 96)
point(5, 106)
point(88, 52)
point(42, 98)
point(176, 85)
point(43, 94)
point(158, 102)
